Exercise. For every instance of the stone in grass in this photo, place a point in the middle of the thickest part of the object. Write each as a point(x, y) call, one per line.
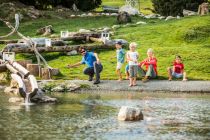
point(127, 113)
point(141, 22)
point(169, 18)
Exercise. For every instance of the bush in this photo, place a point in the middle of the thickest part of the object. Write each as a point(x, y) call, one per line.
point(175, 7)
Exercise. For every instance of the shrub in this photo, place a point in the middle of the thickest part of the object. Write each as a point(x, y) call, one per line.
point(175, 7)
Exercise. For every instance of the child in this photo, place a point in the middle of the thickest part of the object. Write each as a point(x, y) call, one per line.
point(178, 69)
point(132, 58)
point(151, 66)
point(120, 58)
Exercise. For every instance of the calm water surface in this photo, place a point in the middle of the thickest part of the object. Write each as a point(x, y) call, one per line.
point(94, 116)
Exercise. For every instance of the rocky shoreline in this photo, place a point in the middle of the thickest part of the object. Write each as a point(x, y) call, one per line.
point(113, 85)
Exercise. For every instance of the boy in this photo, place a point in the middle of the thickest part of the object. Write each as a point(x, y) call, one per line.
point(120, 58)
point(178, 69)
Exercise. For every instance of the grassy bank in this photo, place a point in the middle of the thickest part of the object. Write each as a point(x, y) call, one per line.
point(188, 37)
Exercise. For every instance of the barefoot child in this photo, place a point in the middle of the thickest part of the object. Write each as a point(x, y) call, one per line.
point(178, 69)
point(151, 66)
point(132, 58)
point(120, 59)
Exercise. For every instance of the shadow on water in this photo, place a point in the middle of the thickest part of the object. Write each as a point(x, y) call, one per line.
point(94, 116)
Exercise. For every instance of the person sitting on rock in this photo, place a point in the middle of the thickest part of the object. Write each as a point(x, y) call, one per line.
point(151, 66)
point(178, 69)
point(93, 63)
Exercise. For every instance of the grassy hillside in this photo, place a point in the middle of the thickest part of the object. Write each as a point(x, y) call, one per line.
point(188, 37)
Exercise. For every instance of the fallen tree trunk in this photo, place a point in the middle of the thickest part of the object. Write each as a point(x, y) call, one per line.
point(24, 48)
point(81, 36)
point(8, 41)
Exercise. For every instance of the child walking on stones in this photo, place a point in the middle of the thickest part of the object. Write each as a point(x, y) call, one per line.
point(132, 58)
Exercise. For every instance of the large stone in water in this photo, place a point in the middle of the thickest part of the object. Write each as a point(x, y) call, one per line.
point(15, 99)
point(127, 113)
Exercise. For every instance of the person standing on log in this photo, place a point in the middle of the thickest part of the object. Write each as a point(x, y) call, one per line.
point(93, 63)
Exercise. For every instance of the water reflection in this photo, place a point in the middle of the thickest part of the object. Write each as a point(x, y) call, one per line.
point(94, 116)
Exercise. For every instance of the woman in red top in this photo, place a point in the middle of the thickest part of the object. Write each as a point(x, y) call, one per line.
point(151, 66)
point(178, 69)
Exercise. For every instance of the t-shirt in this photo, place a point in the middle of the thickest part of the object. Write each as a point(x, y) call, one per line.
point(134, 57)
point(120, 55)
point(151, 61)
point(88, 59)
point(179, 67)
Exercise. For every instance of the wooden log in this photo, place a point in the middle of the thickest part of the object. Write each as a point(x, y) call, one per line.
point(17, 48)
point(33, 69)
point(12, 69)
point(23, 71)
point(45, 74)
point(8, 41)
point(40, 42)
point(81, 36)
point(24, 62)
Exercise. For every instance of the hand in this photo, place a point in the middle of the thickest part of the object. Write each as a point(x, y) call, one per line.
point(98, 62)
point(69, 66)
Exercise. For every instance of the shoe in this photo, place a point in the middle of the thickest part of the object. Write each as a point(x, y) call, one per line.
point(96, 82)
point(90, 78)
point(145, 79)
point(184, 80)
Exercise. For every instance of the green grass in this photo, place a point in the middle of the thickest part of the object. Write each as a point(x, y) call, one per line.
point(188, 37)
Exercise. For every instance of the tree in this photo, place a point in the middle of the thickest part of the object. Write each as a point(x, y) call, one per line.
point(175, 7)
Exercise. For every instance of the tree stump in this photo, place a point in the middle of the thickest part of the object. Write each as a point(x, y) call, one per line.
point(34, 69)
point(45, 74)
point(24, 62)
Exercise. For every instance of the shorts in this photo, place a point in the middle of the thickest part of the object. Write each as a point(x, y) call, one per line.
point(127, 68)
point(177, 75)
point(133, 70)
point(119, 65)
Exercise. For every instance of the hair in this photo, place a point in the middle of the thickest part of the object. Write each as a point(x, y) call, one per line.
point(133, 44)
point(150, 50)
point(81, 48)
point(178, 56)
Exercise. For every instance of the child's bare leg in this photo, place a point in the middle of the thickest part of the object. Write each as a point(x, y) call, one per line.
point(119, 74)
point(134, 81)
point(169, 73)
point(131, 82)
point(127, 75)
point(184, 76)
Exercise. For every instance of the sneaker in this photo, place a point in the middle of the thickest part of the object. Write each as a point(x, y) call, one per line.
point(184, 80)
point(90, 78)
point(96, 82)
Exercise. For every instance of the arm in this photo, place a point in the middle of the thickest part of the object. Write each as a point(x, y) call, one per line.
point(74, 65)
point(97, 59)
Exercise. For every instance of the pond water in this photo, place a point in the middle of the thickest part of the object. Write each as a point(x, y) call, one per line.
point(94, 116)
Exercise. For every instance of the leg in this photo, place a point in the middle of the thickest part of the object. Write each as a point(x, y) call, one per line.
point(135, 75)
point(184, 76)
point(90, 72)
point(169, 73)
point(141, 72)
point(127, 71)
point(131, 72)
point(151, 72)
point(119, 74)
point(97, 69)
point(119, 65)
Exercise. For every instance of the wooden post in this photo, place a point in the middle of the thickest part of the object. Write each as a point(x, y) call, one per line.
point(33, 68)
point(45, 74)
